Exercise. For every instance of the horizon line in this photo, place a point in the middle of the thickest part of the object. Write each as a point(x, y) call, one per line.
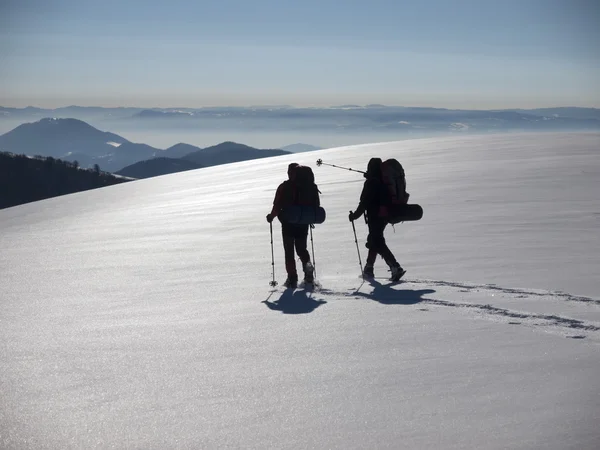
point(291, 106)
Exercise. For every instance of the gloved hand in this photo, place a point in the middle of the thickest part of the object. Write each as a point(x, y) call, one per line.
point(270, 217)
point(352, 216)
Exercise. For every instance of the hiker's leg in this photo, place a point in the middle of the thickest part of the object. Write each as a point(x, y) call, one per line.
point(385, 251)
point(376, 241)
point(375, 237)
point(300, 238)
point(287, 232)
point(371, 257)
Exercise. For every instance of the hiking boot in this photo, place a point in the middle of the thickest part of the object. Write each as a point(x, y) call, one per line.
point(291, 282)
point(309, 272)
point(368, 272)
point(397, 272)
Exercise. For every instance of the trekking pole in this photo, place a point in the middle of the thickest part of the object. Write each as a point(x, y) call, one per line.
point(313, 253)
point(272, 283)
point(320, 162)
point(357, 249)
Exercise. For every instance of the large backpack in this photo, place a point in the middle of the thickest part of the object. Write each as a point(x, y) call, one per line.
point(395, 208)
point(306, 192)
point(305, 205)
point(394, 179)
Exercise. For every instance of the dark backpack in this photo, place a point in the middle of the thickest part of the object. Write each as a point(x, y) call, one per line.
point(304, 207)
point(393, 178)
point(306, 192)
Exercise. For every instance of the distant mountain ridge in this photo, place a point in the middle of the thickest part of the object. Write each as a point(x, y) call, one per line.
point(299, 148)
point(75, 140)
point(564, 111)
point(371, 114)
point(72, 139)
point(172, 114)
point(343, 122)
point(59, 136)
point(228, 152)
point(157, 166)
point(180, 150)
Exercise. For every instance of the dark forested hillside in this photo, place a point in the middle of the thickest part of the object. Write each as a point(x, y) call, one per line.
point(156, 167)
point(229, 152)
point(26, 179)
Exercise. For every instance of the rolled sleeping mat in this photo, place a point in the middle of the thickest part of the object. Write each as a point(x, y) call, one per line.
point(303, 215)
point(403, 213)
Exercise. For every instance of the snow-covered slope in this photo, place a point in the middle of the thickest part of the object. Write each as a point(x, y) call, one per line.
point(140, 315)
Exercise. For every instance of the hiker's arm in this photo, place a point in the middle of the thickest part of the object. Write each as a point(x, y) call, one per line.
point(277, 201)
point(277, 204)
point(366, 197)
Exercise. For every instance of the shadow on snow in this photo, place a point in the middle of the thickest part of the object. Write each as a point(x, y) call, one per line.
point(387, 295)
point(293, 301)
point(300, 301)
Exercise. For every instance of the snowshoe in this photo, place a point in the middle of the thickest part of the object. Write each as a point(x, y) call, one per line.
point(309, 273)
point(397, 272)
point(291, 282)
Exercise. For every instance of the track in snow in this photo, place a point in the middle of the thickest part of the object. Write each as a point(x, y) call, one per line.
point(555, 312)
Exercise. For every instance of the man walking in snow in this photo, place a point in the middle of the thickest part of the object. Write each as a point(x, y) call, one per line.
point(294, 235)
point(371, 199)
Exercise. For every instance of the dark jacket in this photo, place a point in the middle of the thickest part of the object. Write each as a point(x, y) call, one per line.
point(371, 198)
point(374, 191)
point(283, 197)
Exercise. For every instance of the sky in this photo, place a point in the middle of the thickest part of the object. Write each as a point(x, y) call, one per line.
point(460, 54)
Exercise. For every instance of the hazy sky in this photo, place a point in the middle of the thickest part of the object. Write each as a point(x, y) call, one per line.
point(447, 53)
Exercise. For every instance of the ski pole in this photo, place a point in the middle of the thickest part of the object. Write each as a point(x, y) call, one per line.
point(272, 283)
point(320, 162)
point(357, 249)
point(313, 253)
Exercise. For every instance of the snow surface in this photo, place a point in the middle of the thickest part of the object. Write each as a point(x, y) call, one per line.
point(140, 315)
